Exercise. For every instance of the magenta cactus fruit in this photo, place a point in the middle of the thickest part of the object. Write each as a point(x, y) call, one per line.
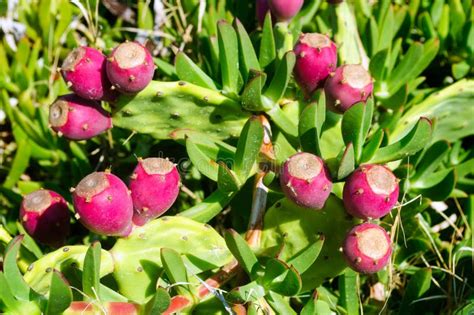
point(348, 85)
point(305, 179)
point(77, 118)
point(367, 248)
point(285, 10)
point(155, 187)
point(45, 216)
point(84, 71)
point(316, 58)
point(370, 192)
point(130, 67)
point(103, 204)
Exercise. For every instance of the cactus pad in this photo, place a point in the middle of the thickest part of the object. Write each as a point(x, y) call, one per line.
point(298, 227)
point(137, 257)
point(166, 106)
point(38, 275)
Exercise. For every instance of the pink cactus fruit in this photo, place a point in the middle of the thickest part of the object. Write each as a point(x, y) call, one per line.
point(370, 192)
point(45, 216)
point(78, 119)
point(261, 8)
point(285, 10)
point(103, 204)
point(348, 85)
point(130, 67)
point(84, 71)
point(316, 58)
point(305, 179)
point(367, 248)
point(155, 187)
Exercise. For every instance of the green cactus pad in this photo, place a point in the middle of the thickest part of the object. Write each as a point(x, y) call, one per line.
point(38, 275)
point(166, 106)
point(137, 257)
point(298, 227)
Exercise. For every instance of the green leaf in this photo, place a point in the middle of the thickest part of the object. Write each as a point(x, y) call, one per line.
point(346, 34)
point(252, 95)
point(413, 142)
point(279, 304)
point(248, 148)
point(417, 286)
point(347, 162)
point(457, 18)
point(250, 292)
point(437, 186)
point(348, 287)
point(60, 294)
point(378, 65)
point(280, 80)
point(167, 69)
point(210, 207)
point(443, 25)
point(159, 303)
point(13, 276)
point(188, 71)
point(19, 164)
point(175, 270)
point(206, 166)
point(310, 307)
point(164, 107)
point(226, 180)
point(315, 306)
point(241, 251)
point(431, 160)
point(418, 57)
point(449, 107)
point(386, 30)
point(427, 25)
point(267, 45)
point(248, 57)
point(144, 17)
point(137, 258)
point(355, 126)
point(284, 123)
point(91, 271)
point(372, 146)
point(228, 56)
point(461, 69)
point(281, 278)
point(307, 257)
point(310, 125)
point(6, 296)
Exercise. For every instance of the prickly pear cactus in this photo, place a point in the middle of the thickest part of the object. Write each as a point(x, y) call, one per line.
point(38, 275)
point(137, 258)
point(164, 107)
point(289, 229)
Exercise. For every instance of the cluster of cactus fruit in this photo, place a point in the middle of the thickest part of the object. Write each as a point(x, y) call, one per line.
point(105, 205)
point(93, 77)
point(103, 202)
